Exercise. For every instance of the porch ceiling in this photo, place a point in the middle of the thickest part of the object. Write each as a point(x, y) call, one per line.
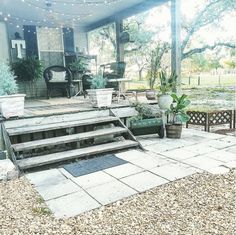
point(86, 14)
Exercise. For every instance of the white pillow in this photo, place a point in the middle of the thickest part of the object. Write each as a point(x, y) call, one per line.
point(58, 76)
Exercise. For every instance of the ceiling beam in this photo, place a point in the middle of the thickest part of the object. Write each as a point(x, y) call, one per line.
point(128, 12)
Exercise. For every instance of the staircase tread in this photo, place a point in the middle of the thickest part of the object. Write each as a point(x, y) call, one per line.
point(72, 154)
point(67, 138)
point(60, 125)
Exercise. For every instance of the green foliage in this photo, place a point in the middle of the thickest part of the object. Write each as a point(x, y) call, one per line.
point(8, 84)
point(80, 65)
point(144, 111)
point(155, 63)
point(28, 69)
point(178, 108)
point(167, 83)
point(98, 82)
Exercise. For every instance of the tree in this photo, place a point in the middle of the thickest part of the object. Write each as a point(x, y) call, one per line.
point(211, 13)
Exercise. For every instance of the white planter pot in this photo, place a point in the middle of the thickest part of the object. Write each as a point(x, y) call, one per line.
point(12, 105)
point(100, 97)
point(164, 101)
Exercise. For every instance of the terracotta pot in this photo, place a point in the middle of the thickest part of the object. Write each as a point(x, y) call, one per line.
point(173, 131)
point(164, 101)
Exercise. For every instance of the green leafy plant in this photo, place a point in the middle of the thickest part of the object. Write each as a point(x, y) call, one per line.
point(144, 111)
point(28, 69)
point(79, 66)
point(167, 83)
point(98, 82)
point(155, 63)
point(8, 84)
point(178, 108)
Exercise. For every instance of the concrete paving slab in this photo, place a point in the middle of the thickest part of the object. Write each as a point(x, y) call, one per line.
point(144, 181)
point(151, 161)
point(202, 162)
point(200, 148)
point(222, 156)
point(174, 171)
point(131, 154)
point(123, 170)
point(219, 170)
point(231, 164)
point(48, 177)
point(57, 190)
point(231, 150)
point(159, 147)
point(72, 204)
point(220, 144)
point(110, 192)
point(179, 154)
point(93, 179)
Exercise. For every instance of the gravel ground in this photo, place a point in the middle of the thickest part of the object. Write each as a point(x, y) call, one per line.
point(196, 205)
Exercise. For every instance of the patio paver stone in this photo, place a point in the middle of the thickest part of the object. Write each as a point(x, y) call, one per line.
point(144, 181)
point(179, 154)
point(203, 162)
point(123, 170)
point(93, 179)
point(110, 192)
point(57, 190)
point(47, 177)
point(174, 171)
point(72, 204)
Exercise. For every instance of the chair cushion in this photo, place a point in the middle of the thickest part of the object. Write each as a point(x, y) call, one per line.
point(58, 76)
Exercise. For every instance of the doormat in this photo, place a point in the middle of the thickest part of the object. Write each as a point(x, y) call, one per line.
point(92, 165)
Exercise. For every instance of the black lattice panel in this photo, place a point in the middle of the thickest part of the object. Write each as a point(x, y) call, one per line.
point(220, 117)
point(197, 118)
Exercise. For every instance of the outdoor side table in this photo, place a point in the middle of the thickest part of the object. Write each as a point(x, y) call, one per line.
point(120, 83)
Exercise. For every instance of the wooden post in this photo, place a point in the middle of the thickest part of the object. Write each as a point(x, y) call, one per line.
point(176, 42)
point(119, 46)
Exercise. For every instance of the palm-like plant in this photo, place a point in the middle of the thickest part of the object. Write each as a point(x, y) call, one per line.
point(167, 83)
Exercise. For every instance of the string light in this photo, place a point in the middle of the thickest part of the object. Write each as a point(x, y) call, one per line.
point(50, 17)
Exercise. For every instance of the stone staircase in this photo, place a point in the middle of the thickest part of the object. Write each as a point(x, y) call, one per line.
point(35, 143)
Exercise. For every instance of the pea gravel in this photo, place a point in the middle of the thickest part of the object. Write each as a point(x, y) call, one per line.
point(197, 205)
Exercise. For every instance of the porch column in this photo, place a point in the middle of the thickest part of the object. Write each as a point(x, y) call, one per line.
point(119, 46)
point(176, 41)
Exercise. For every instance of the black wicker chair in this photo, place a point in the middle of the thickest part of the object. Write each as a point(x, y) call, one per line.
point(58, 77)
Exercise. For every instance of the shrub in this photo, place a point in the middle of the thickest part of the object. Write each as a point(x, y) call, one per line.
point(8, 84)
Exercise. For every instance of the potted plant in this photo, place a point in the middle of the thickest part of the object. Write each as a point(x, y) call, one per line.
point(154, 67)
point(147, 121)
point(11, 104)
point(177, 114)
point(98, 94)
point(167, 84)
point(28, 70)
point(79, 67)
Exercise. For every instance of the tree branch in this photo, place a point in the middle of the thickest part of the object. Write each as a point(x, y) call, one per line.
point(206, 47)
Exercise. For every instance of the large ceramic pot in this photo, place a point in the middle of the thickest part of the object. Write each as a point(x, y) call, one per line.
point(100, 97)
point(164, 101)
point(12, 105)
point(173, 131)
point(151, 94)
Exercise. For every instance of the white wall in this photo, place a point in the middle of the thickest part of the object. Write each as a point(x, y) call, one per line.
point(4, 45)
